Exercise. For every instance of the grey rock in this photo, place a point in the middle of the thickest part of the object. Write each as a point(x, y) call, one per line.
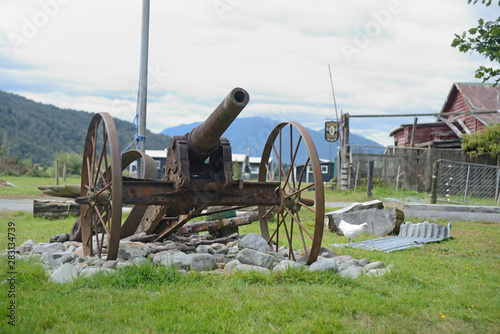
point(174, 258)
point(248, 267)
point(217, 246)
point(223, 250)
point(363, 262)
point(57, 246)
point(286, 265)
point(38, 249)
point(71, 249)
point(347, 264)
point(231, 265)
point(218, 257)
point(325, 252)
point(81, 266)
point(343, 258)
point(351, 272)
point(205, 249)
point(60, 238)
point(324, 265)
point(374, 265)
point(202, 262)
point(139, 260)
point(63, 274)
point(254, 241)
point(58, 255)
point(376, 272)
point(232, 244)
point(124, 264)
point(93, 270)
point(111, 264)
point(232, 251)
point(131, 250)
point(25, 247)
point(98, 263)
point(67, 258)
point(78, 260)
point(256, 258)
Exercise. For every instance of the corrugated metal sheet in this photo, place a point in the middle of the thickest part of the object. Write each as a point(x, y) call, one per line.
point(410, 236)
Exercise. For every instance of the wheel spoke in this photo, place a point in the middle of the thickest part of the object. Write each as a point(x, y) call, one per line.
point(307, 207)
point(269, 173)
point(299, 191)
point(268, 212)
point(103, 153)
point(300, 225)
point(101, 220)
point(302, 237)
point(303, 170)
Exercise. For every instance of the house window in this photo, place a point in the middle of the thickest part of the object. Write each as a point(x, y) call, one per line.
point(157, 164)
point(324, 169)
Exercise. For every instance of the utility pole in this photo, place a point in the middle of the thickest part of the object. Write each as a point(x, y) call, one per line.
point(143, 77)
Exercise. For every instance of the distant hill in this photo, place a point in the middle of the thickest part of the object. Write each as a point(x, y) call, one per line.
point(37, 131)
point(253, 132)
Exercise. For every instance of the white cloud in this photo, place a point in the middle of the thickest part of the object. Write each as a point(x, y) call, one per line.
point(85, 55)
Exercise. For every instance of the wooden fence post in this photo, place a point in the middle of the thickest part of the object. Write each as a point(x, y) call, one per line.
point(435, 182)
point(370, 178)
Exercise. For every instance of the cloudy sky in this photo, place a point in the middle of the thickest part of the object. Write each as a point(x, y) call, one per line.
point(386, 57)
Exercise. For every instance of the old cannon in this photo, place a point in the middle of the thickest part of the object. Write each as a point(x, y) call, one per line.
point(199, 175)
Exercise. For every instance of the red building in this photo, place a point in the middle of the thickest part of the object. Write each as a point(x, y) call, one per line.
point(453, 121)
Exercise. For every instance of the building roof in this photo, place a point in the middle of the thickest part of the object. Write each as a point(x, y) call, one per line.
point(157, 153)
point(478, 97)
point(238, 157)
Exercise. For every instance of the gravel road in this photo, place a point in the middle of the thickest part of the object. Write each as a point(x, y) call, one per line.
point(13, 205)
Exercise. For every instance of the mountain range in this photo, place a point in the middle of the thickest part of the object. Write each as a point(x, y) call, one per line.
point(252, 133)
point(37, 131)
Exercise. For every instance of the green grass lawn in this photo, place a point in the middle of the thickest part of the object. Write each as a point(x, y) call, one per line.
point(449, 287)
point(26, 186)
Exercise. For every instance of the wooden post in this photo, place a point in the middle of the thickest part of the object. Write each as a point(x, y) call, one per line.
point(65, 166)
point(370, 178)
point(435, 182)
point(344, 153)
point(57, 173)
point(412, 143)
point(397, 178)
point(356, 180)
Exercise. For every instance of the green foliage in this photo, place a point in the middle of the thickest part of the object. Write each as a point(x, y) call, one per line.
point(73, 162)
point(485, 40)
point(483, 142)
point(31, 130)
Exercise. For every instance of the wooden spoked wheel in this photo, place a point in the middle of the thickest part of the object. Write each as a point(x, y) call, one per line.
point(290, 158)
point(101, 186)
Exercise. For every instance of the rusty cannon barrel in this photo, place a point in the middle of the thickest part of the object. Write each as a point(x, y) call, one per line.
point(204, 139)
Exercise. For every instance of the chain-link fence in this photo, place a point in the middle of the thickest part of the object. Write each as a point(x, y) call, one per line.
point(412, 168)
point(465, 182)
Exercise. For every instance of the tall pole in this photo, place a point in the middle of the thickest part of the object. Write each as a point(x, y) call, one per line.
point(143, 77)
point(333, 93)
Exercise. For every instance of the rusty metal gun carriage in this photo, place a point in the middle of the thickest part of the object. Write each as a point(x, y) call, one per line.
point(199, 175)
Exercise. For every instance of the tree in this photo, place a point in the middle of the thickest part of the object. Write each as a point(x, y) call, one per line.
point(485, 40)
point(483, 142)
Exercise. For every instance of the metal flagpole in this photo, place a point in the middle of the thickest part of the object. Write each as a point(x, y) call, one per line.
point(143, 76)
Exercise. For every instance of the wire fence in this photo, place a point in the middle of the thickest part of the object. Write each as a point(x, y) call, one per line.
point(458, 181)
point(413, 169)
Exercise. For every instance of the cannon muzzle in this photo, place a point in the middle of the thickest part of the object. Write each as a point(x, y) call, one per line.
point(204, 139)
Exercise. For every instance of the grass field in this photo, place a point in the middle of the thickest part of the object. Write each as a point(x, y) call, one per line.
point(447, 287)
point(26, 186)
